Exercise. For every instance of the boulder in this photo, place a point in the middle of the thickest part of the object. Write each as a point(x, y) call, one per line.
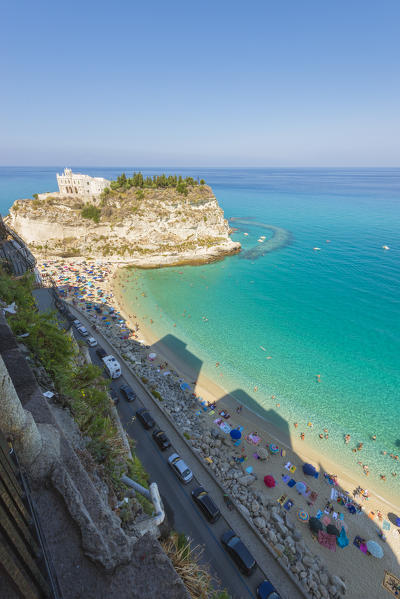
point(259, 522)
point(246, 480)
point(255, 508)
point(338, 582)
point(308, 561)
point(282, 529)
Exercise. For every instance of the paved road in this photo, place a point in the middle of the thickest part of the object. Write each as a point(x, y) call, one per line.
point(185, 515)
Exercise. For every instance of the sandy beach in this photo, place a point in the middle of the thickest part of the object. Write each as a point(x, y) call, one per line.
point(362, 574)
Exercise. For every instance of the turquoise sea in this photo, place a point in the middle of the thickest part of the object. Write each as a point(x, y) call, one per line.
point(333, 312)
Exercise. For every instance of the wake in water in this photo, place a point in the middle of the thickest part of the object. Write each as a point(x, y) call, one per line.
point(280, 238)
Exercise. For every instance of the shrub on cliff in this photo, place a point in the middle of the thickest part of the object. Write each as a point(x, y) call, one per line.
point(90, 211)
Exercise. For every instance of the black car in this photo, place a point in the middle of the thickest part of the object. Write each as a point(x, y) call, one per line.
point(266, 590)
point(101, 352)
point(145, 418)
point(128, 392)
point(206, 504)
point(114, 396)
point(161, 439)
point(239, 552)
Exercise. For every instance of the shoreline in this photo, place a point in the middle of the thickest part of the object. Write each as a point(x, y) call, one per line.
point(240, 471)
point(212, 391)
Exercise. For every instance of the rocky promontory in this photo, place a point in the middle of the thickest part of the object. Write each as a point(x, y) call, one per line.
point(146, 227)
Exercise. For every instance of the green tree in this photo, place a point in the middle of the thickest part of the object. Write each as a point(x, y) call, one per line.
point(90, 211)
point(202, 182)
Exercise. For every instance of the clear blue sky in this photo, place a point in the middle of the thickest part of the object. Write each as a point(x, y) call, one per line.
point(217, 83)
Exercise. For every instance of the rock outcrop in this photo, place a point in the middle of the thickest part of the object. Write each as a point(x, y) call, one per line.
point(147, 228)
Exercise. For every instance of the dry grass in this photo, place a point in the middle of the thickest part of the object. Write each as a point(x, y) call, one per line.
point(186, 561)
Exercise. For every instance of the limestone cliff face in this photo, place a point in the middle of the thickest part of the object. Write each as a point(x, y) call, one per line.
point(148, 228)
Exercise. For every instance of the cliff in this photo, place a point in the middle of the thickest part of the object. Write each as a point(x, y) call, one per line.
point(144, 227)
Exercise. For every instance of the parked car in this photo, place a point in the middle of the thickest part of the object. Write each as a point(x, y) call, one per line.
point(266, 590)
point(161, 439)
point(91, 341)
point(128, 392)
point(77, 323)
point(206, 504)
point(181, 470)
point(145, 418)
point(114, 396)
point(83, 331)
point(239, 552)
point(101, 352)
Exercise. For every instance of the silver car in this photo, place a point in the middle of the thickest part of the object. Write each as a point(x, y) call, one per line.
point(181, 470)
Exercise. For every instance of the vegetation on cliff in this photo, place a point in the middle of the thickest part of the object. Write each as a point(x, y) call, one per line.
point(123, 183)
point(80, 387)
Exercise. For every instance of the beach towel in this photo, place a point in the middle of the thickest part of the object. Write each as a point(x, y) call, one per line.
point(342, 539)
point(291, 483)
point(334, 494)
point(326, 520)
point(292, 469)
point(238, 442)
point(360, 544)
point(371, 515)
point(288, 465)
point(386, 525)
point(288, 505)
point(341, 516)
point(327, 540)
point(281, 499)
point(334, 515)
point(285, 478)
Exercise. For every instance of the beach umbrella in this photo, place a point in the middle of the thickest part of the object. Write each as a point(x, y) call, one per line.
point(303, 516)
point(235, 434)
point(375, 549)
point(269, 481)
point(301, 487)
point(273, 448)
point(397, 521)
point(152, 356)
point(184, 386)
point(332, 530)
point(309, 469)
point(315, 524)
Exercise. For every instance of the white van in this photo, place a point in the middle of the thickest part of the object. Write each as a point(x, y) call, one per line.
point(112, 366)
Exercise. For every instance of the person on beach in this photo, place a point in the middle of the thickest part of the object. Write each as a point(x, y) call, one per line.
point(302, 435)
point(373, 437)
point(296, 424)
point(347, 438)
point(360, 446)
point(239, 409)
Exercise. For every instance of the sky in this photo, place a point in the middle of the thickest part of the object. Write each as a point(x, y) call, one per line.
point(211, 83)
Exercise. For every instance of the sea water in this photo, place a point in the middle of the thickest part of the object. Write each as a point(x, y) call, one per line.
point(275, 322)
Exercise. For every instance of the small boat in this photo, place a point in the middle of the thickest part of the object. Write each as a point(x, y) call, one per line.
point(316, 249)
point(260, 240)
point(245, 233)
point(385, 247)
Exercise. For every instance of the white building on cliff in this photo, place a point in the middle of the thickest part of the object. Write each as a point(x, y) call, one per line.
point(70, 183)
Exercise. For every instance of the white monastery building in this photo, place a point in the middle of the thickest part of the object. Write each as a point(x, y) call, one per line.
point(70, 183)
